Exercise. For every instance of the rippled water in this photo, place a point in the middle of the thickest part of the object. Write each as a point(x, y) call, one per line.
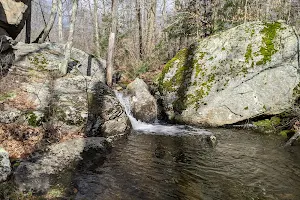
point(243, 165)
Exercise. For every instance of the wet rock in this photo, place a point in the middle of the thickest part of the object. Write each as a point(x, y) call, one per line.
point(39, 172)
point(143, 104)
point(245, 72)
point(212, 140)
point(5, 168)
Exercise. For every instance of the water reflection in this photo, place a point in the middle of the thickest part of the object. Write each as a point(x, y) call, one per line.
point(244, 165)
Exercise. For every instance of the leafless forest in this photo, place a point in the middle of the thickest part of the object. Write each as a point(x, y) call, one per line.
point(149, 32)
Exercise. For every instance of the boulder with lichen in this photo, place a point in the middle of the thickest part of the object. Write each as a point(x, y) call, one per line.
point(245, 72)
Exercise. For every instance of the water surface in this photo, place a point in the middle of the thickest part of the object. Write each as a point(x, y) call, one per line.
point(243, 165)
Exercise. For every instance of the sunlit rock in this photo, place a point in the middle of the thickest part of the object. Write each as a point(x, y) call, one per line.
point(245, 72)
point(143, 104)
point(5, 168)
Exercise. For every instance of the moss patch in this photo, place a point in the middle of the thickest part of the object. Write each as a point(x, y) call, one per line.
point(33, 120)
point(287, 133)
point(268, 48)
point(268, 125)
point(180, 59)
point(6, 96)
point(248, 54)
point(39, 61)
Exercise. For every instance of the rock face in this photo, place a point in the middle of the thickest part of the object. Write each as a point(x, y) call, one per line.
point(245, 72)
point(36, 95)
point(13, 15)
point(107, 116)
point(5, 168)
point(39, 172)
point(143, 104)
point(51, 54)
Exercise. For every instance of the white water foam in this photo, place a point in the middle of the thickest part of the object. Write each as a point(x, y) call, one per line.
point(157, 128)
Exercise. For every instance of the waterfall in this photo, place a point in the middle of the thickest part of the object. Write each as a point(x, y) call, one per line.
point(157, 128)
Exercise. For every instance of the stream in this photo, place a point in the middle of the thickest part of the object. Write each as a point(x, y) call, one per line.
point(177, 162)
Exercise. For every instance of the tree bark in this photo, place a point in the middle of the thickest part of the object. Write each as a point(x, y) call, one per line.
point(60, 21)
point(151, 27)
point(111, 44)
point(96, 28)
point(140, 30)
point(28, 24)
point(246, 11)
point(42, 37)
point(64, 64)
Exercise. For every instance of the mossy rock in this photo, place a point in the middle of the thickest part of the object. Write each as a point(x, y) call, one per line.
point(231, 77)
point(287, 133)
point(268, 125)
point(7, 96)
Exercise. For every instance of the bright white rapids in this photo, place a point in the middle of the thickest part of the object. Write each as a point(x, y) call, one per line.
point(156, 128)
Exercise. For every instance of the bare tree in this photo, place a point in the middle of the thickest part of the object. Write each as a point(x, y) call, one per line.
point(111, 44)
point(151, 26)
point(64, 64)
point(96, 28)
point(140, 31)
point(42, 37)
point(60, 21)
point(28, 24)
point(245, 11)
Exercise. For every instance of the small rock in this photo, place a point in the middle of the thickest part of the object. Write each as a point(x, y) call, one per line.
point(5, 168)
point(37, 173)
point(143, 104)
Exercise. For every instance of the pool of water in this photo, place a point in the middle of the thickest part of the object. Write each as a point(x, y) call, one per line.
point(243, 165)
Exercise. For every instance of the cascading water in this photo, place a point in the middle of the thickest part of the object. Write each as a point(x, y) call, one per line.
point(157, 128)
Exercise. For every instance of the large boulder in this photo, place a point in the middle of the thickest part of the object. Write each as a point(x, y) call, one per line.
point(42, 170)
point(51, 55)
point(245, 72)
point(13, 15)
point(5, 168)
point(143, 104)
point(35, 94)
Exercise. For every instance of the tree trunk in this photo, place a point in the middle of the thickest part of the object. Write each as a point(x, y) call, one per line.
point(208, 22)
point(245, 11)
point(64, 64)
point(96, 28)
point(151, 27)
point(140, 31)
point(60, 21)
point(111, 44)
point(47, 29)
point(28, 24)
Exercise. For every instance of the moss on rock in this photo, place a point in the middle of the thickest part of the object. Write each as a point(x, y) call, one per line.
point(6, 96)
point(179, 59)
point(248, 54)
point(268, 48)
point(33, 119)
point(268, 125)
point(287, 133)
